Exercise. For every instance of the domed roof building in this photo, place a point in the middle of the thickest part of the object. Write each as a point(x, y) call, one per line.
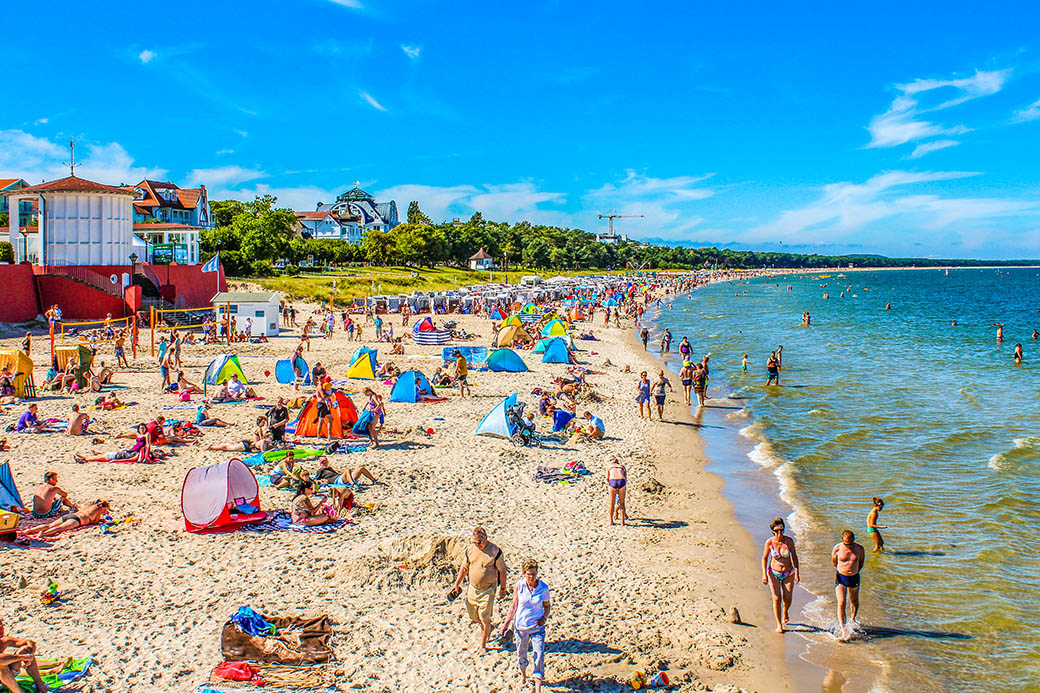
point(359, 205)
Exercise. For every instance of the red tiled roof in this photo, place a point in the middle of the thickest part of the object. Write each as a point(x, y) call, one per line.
point(4, 182)
point(189, 197)
point(71, 184)
point(481, 255)
point(146, 227)
point(314, 215)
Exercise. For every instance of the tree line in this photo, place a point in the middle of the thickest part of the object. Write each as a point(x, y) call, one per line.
point(252, 236)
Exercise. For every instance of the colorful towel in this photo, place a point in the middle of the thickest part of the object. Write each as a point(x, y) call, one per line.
point(281, 521)
point(277, 455)
point(75, 669)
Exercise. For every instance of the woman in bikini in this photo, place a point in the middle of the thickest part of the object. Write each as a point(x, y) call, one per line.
point(310, 511)
point(617, 480)
point(780, 571)
point(141, 451)
point(259, 443)
point(643, 396)
point(84, 517)
point(700, 382)
point(873, 526)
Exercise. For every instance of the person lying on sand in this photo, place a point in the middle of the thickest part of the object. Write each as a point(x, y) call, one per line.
point(351, 477)
point(142, 449)
point(259, 443)
point(12, 663)
point(49, 499)
point(90, 515)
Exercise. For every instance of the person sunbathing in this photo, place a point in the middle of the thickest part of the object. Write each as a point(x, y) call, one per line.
point(286, 472)
point(29, 421)
point(110, 402)
point(236, 389)
point(185, 385)
point(175, 434)
point(220, 394)
point(141, 449)
point(49, 499)
point(306, 508)
point(204, 417)
point(388, 369)
point(12, 663)
point(398, 348)
point(6, 383)
point(351, 477)
point(78, 422)
point(68, 378)
point(440, 378)
point(84, 517)
point(259, 442)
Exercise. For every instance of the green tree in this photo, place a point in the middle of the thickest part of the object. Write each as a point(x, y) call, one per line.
point(223, 211)
point(379, 248)
point(416, 216)
point(6, 252)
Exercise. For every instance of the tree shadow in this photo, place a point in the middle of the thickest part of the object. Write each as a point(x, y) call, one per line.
point(574, 645)
point(656, 523)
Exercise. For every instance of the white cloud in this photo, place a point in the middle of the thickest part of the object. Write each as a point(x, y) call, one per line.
point(880, 211)
point(371, 101)
point(901, 123)
point(1030, 112)
point(663, 203)
point(37, 158)
point(349, 49)
point(352, 4)
point(241, 133)
point(934, 146)
point(300, 198)
point(223, 176)
point(225, 151)
point(146, 56)
point(412, 52)
point(41, 121)
point(506, 202)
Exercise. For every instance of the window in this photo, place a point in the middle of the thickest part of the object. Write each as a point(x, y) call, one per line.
point(260, 313)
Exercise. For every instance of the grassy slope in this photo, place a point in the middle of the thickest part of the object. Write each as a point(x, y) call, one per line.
point(388, 280)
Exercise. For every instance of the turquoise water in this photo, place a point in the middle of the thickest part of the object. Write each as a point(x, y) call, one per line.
point(936, 419)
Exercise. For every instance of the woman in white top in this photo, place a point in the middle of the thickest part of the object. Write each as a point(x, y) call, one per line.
point(528, 614)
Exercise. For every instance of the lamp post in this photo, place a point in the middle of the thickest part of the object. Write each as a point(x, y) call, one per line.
point(133, 269)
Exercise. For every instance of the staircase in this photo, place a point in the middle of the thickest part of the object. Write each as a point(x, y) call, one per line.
point(85, 276)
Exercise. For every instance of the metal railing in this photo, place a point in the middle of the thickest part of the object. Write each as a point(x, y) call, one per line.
point(87, 276)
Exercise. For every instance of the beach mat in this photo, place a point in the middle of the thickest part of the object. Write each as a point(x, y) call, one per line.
point(300, 641)
point(75, 669)
point(281, 521)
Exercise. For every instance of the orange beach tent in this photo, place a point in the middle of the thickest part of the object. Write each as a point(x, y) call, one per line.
point(343, 416)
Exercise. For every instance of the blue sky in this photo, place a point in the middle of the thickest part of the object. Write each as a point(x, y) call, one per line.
point(890, 129)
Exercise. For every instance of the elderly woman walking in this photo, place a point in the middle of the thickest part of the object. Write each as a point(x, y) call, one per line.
point(528, 614)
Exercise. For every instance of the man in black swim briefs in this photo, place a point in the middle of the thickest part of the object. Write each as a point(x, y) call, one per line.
point(848, 558)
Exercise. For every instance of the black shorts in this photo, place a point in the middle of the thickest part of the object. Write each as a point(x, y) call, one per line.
point(277, 434)
point(323, 410)
point(851, 581)
point(660, 400)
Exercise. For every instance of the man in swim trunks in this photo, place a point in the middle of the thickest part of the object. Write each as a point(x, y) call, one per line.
point(848, 558)
point(77, 422)
point(486, 570)
point(90, 515)
point(49, 499)
point(644, 335)
point(461, 373)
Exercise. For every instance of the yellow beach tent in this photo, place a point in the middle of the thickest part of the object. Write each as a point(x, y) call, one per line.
point(22, 367)
point(508, 336)
point(363, 366)
point(513, 319)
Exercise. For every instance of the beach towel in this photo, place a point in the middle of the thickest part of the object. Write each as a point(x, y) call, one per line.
point(572, 471)
point(363, 422)
point(277, 455)
point(300, 642)
point(281, 521)
point(75, 669)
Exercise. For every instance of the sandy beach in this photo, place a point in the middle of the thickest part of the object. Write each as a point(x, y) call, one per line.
point(149, 600)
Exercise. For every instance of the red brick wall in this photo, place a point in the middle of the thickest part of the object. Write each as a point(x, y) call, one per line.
point(19, 291)
point(78, 301)
point(192, 287)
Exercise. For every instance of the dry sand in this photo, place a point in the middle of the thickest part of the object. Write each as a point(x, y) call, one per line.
point(148, 602)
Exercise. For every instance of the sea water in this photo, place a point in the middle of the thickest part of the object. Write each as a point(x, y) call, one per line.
point(936, 419)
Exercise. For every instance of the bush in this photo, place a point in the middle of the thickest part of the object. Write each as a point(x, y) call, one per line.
point(6, 252)
point(291, 270)
point(263, 268)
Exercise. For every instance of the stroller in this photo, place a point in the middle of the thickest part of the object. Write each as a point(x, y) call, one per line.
point(523, 433)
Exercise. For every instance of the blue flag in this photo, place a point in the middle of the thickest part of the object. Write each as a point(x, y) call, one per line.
point(213, 264)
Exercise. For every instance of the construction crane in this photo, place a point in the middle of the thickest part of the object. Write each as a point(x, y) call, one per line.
point(610, 217)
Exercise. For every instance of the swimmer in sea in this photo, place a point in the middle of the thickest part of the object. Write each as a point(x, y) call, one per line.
point(1018, 353)
point(744, 364)
point(1000, 332)
point(773, 369)
point(888, 306)
point(955, 323)
point(848, 558)
point(1036, 335)
point(873, 526)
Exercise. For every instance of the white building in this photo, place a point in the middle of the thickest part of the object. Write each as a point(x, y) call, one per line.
point(481, 261)
point(80, 223)
point(358, 204)
point(262, 307)
point(330, 225)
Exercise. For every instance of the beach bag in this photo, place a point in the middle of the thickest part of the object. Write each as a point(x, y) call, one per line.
point(236, 671)
point(364, 421)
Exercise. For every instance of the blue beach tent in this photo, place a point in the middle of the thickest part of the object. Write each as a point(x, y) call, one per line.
point(556, 352)
point(9, 497)
point(283, 371)
point(496, 424)
point(409, 386)
point(363, 364)
point(497, 314)
point(506, 360)
point(560, 419)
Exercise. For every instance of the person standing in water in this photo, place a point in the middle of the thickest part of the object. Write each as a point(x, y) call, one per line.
point(1036, 335)
point(1000, 332)
point(744, 364)
point(644, 335)
point(848, 558)
point(1018, 353)
point(873, 526)
point(773, 369)
point(780, 571)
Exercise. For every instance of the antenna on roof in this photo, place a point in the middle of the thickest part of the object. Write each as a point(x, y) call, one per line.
point(71, 164)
